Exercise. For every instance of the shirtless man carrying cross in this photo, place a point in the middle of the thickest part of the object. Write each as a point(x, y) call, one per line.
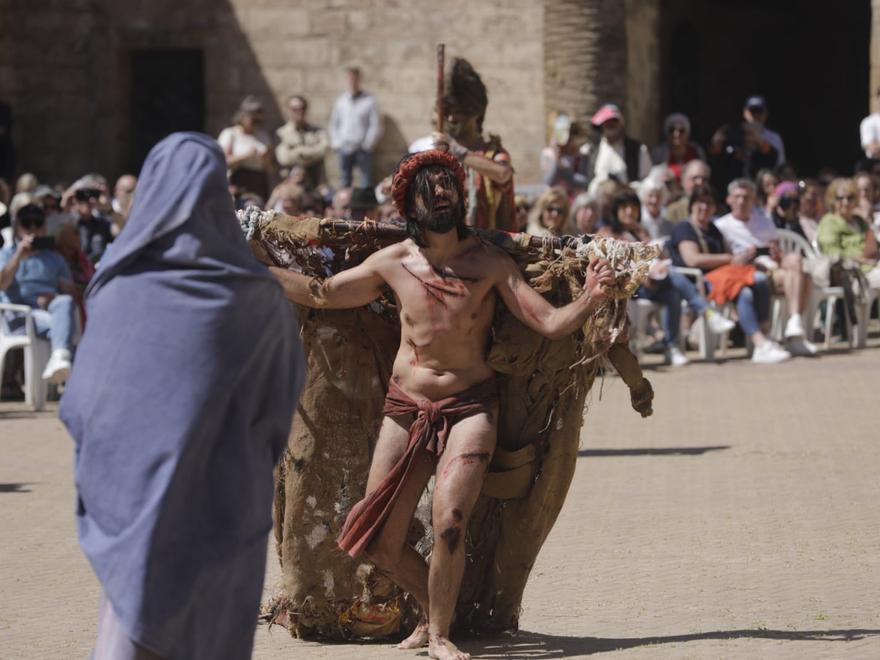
point(442, 404)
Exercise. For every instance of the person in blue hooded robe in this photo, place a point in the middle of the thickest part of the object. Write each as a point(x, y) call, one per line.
point(180, 404)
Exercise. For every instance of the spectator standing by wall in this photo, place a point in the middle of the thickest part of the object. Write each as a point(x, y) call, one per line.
point(355, 128)
point(301, 144)
point(562, 162)
point(755, 111)
point(740, 151)
point(248, 149)
point(677, 149)
point(617, 156)
point(869, 131)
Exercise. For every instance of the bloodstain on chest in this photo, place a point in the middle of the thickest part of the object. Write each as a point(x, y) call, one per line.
point(448, 284)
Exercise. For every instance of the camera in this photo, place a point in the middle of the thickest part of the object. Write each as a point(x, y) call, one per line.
point(43, 243)
point(87, 194)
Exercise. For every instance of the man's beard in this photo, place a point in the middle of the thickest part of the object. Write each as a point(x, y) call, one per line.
point(439, 222)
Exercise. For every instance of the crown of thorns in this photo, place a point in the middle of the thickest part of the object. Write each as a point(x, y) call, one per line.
point(408, 169)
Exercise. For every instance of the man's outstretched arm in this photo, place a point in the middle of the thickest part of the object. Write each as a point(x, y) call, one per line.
point(354, 287)
point(529, 306)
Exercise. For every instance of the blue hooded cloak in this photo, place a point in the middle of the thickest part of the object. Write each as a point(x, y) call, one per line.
point(180, 404)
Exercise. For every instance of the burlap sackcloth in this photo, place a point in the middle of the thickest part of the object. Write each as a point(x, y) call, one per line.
point(324, 594)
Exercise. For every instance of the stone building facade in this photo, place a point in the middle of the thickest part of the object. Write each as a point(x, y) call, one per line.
point(92, 83)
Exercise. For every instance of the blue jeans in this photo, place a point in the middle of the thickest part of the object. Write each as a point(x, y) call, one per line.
point(57, 323)
point(361, 159)
point(753, 305)
point(669, 293)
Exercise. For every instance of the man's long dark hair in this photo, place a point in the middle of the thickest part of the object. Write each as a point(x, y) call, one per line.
point(421, 185)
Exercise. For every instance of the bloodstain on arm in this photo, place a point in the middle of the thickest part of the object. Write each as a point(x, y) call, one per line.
point(451, 535)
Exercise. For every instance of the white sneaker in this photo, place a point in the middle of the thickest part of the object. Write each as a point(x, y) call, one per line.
point(718, 324)
point(58, 368)
point(675, 357)
point(800, 346)
point(769, 353)
point(794, 327)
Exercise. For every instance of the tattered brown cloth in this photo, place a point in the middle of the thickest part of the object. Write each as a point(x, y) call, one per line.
point(542, 387)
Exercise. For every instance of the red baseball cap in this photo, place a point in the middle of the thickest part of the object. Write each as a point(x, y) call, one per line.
point(606, 112)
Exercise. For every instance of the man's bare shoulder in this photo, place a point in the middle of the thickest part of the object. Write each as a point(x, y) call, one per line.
point(392, 253)
point(491, 260)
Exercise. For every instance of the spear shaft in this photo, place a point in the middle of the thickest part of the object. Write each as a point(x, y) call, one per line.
point(441, 91)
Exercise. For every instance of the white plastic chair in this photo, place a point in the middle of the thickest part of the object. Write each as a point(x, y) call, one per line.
point(790, 241)
point(641, 309)
point(36, 353)
point(707, 341)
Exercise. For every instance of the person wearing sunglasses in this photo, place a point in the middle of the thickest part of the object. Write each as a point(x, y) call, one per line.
point(34, 274)
point(549, 217)
point(676, 149)
point(785, 213)
point(845, 234)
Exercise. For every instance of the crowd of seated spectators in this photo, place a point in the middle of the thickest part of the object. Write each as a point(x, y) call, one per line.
point(720, 210)
point(717, 210)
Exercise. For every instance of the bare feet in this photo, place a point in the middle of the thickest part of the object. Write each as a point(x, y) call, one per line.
point(418, 639)
point(442, 649)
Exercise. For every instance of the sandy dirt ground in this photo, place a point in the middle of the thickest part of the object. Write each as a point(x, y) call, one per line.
point(741, 521)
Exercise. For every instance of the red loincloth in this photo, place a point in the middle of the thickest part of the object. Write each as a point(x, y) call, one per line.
point(428, 432)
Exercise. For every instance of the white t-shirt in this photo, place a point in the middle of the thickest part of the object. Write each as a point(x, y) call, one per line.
point(758, 231)
point(869, 130)
point(239, 143)
point(610, 161)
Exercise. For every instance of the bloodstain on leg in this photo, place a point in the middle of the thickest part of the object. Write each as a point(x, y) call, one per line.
point(456, 515)
point(468, 459)
point(482, 456)
point(451, 535)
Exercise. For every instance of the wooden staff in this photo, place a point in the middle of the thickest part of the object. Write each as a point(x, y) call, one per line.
point(341, 230)
point(441, 91)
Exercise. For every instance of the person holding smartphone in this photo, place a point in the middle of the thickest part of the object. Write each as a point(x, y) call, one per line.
point(751, 233)
point(32, 273)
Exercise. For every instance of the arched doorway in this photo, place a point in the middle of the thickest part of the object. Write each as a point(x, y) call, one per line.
point(809, 60)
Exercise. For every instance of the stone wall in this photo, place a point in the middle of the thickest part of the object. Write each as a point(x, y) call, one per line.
point(68, 72)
